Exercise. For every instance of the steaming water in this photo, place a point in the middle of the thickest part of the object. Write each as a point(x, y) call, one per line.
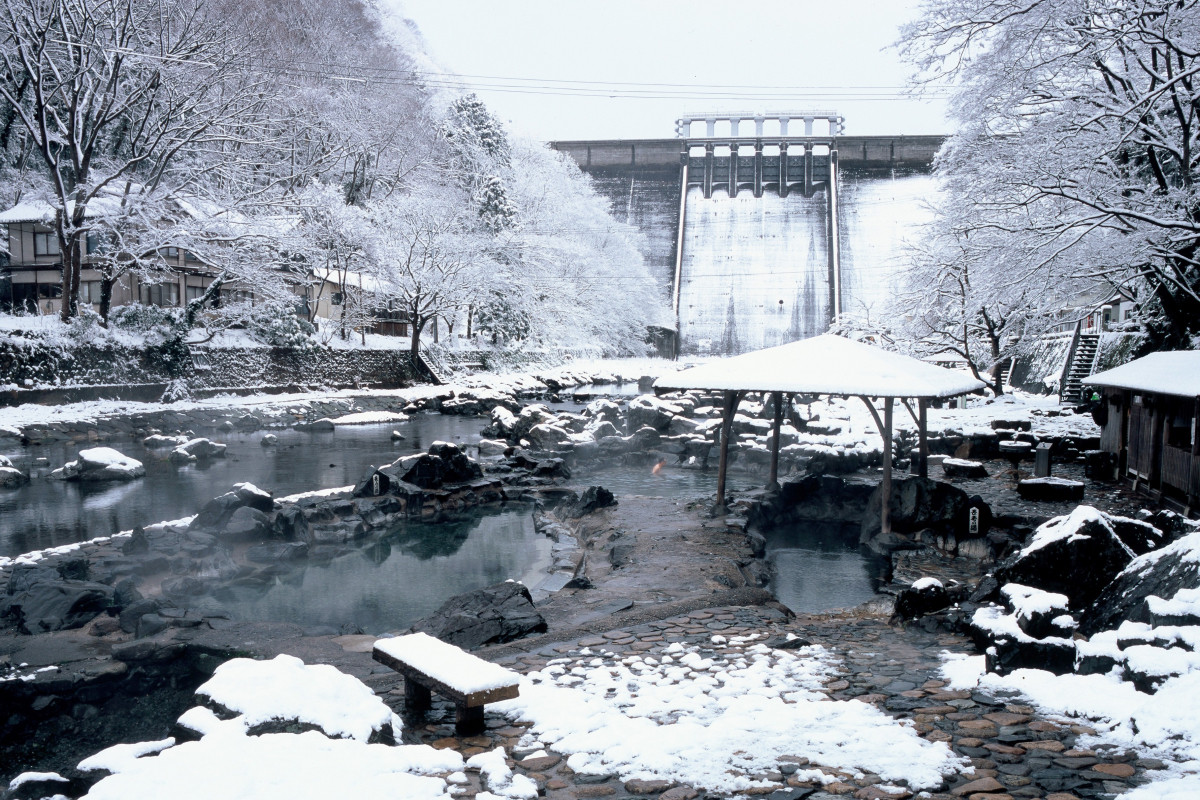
point(402, 576)
point(818, 570)
point(47, 513)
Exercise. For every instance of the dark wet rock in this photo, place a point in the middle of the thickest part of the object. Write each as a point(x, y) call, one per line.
point(593, 498)
point(917, 504)
point(499, 613)
point(1076, 555)
point(1050, 490)
point(1162, 574)
point(274, 552)
point(246, 523)
point(290, 524)
point(131, 614)
point(59, 605)
point(924, 596)
point(1140, 537)
point(963, 469)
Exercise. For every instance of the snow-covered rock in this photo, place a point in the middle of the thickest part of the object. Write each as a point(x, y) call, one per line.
point(1076, 555)
point(100, 464)
point(196, 449)
point(9, 475)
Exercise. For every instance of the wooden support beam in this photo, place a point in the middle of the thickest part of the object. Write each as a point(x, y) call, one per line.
point(728, 410)
point(777, 424)
point(885, 488)
point(923, 437)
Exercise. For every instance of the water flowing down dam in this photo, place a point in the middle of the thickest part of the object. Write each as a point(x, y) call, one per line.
point(754, 271)
point(760, 240)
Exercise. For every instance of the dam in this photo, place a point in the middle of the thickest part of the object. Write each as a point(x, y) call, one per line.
point(761, 237)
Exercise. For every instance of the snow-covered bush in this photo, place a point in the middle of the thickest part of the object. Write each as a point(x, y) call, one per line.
point(277, 325)
point(155, 323)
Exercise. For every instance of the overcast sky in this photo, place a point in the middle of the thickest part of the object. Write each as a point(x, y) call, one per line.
point(568, 69)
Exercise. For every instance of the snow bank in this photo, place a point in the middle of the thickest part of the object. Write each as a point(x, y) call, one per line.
point(226, 762)
point(306, 766)
point(287, 688)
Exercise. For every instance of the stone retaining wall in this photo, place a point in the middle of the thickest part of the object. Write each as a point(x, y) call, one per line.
point(114, 370)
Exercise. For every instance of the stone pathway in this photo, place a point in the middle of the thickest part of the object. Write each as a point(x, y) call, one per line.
point(1015, 753)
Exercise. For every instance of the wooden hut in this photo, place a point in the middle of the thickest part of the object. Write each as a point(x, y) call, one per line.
point(1149, 415)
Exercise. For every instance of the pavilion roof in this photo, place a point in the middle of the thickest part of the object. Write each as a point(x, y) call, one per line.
point(1176, 373)
point(825, 365)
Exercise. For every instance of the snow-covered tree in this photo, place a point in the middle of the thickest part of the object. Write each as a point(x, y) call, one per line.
point(106, 91)
point(1079, 141)
point(426, 256)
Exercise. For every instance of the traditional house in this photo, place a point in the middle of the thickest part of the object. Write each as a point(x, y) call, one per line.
point(1149, 412)
point(31, 272)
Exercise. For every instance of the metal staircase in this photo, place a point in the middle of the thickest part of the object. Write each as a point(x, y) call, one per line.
point(428, 362)
point(1081, 362)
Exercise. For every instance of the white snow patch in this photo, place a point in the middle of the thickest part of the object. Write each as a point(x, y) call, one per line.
point(717, 729)
point(287, 688)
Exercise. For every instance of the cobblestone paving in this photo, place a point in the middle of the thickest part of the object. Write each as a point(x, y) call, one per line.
point(1014, 752)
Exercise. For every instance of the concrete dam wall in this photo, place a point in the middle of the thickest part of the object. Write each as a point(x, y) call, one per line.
point(756, 271)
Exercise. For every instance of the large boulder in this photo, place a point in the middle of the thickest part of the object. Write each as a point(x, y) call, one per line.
point(59, 605)
point(100, 464)
point(10, 476)
point(648, 410)
point(495, 614)
point(444, 463)
point(548, 437)
point(1140, 591)
point(196, 449)
point(919, 504)
point(924, 596)
point(593, 498)
point(1076, 555)
point(217, 513)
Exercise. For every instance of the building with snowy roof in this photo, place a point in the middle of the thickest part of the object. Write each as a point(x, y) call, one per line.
point(1149, 414)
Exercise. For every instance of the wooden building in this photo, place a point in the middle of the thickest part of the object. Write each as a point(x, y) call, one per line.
point(1149, 414)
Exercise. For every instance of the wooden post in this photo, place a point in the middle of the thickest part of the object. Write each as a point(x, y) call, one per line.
point(777, 397)
point(1193, 494)
point(885, 488)
point(923, 437)
point(729, 408)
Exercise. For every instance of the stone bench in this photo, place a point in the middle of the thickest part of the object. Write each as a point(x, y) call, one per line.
point(431, 665)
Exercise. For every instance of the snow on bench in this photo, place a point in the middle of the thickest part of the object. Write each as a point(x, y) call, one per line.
point(428, 664)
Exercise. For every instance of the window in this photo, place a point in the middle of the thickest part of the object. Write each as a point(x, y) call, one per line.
point(96, 242)
point(161, 294)
point(1180, 428)
point(191, 293)
point(172, 252)
point(49, 291)
point(89, 292)
point(45, 244)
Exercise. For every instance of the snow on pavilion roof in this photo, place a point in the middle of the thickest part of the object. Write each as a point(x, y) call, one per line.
point(825, 365)
point(1175, 373)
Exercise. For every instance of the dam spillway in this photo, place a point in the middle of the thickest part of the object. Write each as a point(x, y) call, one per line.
point(759, 269)
point(754, 271)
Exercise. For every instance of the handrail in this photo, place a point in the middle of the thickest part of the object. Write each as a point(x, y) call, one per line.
point(1062, 381)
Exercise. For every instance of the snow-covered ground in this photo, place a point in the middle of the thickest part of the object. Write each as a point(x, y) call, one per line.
point(1162, 725)
point(711, 718)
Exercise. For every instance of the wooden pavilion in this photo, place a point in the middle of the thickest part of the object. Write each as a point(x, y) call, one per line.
point(827, 365)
